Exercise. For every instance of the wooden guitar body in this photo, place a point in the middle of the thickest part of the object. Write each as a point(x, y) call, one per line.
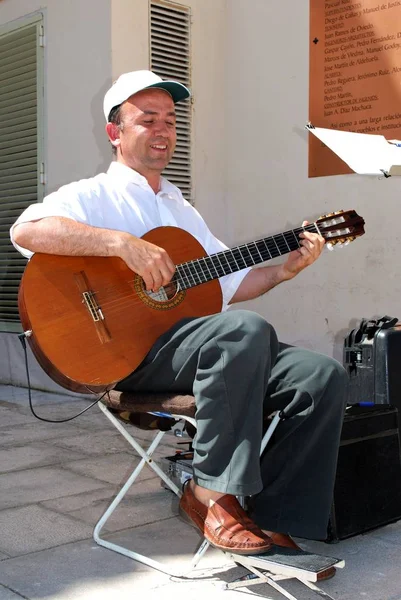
point(92, 321)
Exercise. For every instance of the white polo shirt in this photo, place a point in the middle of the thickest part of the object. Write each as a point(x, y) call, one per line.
point(122, 199)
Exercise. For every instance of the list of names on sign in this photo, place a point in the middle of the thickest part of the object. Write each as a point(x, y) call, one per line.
point(355, 73)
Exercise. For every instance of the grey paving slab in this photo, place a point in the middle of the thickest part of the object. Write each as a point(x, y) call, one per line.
point(9, 417)
point(19, 395)
point(390, 533)
point(60, 504)
point(91, 418)
point(84, 571)
point(15, 458)
point(6, 594)
point(112, 468)
point(28, 432)
point(93, 503)
point(145, 503)
point(170, 541)
point(44, 483)
point(57, 411)
point(80, 571)
point(38, 528)
point(371, 566)
point(93, 442)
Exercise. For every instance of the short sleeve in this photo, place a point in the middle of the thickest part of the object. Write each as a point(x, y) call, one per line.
point(66, 202)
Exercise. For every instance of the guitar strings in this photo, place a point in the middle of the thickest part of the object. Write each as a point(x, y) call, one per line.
point(283, 246)
point(198, 275)
point(129, 300)
point(213, 261)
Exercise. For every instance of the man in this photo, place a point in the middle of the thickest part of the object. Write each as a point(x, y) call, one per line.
point(232, 361)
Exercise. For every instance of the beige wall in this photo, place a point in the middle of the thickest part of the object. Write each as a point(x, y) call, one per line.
point(269, 191)
point(130, 51)
point(250, 85)
point(77, 72)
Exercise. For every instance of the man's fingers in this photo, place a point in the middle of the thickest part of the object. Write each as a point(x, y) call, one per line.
point(148, 280)
point(307, 244)
point(166, 274)
point(157, 280)
point(149, 261)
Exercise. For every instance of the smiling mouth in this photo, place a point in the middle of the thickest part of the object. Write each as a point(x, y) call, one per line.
point(159, 147)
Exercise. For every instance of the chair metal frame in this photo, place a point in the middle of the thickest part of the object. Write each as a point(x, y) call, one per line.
point(271, 576)
point(146, 458)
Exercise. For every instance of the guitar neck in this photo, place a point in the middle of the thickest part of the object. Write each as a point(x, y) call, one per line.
point(214, 266)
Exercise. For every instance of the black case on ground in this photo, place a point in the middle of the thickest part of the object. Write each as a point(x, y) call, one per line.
point(367, 491)
point(372, 357)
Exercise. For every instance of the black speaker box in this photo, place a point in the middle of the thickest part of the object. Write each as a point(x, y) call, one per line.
point(367, 491)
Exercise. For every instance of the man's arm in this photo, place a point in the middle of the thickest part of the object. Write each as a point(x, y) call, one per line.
point(259, 281)
point(63, 236)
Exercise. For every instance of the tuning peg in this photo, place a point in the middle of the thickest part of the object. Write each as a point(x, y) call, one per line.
point(330, 246)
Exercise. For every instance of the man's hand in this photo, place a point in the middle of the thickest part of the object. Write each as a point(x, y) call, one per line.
point(60, 235)
point(311, 248)
point(152, 263)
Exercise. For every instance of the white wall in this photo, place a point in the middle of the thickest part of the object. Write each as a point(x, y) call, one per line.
point(268, 190)
point(78, 72)
point(250, 85)
point(131, 50)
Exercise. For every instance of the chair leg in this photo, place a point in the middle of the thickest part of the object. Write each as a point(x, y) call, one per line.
point(146, 459)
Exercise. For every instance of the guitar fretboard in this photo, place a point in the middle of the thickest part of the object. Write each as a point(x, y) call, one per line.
point(214, 266)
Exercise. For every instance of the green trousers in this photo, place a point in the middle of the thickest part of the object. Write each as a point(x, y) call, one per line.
point(239, 373)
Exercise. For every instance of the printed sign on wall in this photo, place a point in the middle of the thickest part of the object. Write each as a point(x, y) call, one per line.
point(355, 73)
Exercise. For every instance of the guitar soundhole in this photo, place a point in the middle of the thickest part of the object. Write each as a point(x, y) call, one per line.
point(164, 294)
point(165, 298)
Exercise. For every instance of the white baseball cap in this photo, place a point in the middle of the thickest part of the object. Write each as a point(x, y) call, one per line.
point(135, 81)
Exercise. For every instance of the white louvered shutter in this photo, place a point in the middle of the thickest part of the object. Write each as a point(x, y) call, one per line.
point(171, 59)
point(20, 53)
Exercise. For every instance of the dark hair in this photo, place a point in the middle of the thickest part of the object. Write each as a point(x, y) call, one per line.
point(115, 117)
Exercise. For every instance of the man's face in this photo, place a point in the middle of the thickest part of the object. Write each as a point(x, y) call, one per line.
point(148, 134)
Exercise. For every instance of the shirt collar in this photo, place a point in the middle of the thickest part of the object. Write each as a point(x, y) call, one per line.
point(127, 175)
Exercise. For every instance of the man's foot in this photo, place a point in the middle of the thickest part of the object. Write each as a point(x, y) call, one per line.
point(286, 541)
point(224, 523)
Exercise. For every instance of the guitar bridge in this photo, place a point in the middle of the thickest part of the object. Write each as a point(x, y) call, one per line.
point(93, 307)
point(90, 302)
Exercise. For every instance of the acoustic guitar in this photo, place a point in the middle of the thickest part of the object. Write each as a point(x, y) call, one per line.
point(90, 321)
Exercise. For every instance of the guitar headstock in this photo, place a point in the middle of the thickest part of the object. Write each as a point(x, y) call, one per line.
point(341, 227)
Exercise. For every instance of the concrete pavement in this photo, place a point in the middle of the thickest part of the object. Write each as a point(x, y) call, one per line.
point(56, 481)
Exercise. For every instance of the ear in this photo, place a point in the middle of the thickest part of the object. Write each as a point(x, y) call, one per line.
point(113, 131)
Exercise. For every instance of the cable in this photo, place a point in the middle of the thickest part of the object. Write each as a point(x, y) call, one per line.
point(22, 337)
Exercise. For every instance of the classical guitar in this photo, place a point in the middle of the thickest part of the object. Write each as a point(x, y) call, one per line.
point(90, 321)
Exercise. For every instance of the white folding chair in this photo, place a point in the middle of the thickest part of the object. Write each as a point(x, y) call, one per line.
point(269, 568)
